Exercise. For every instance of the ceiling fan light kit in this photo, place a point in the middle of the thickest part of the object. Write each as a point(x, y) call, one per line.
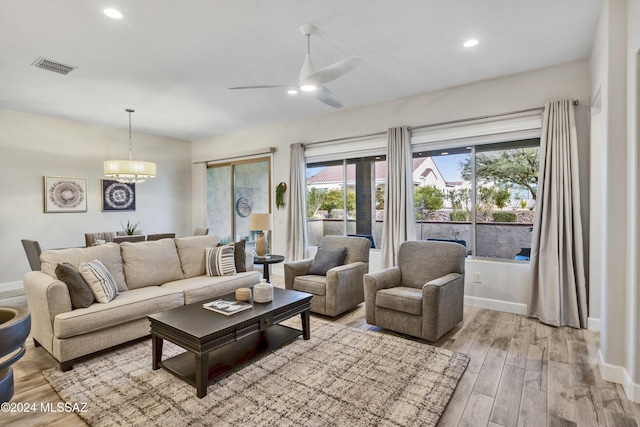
point(310, 80)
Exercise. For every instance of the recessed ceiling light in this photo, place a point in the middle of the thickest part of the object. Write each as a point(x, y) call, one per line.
point(444, 153)
point(308, 88)
point(292, 91)
point(470, 43)
point(113, 13)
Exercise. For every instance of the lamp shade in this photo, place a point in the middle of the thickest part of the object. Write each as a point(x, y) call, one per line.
point(260, 222)
point(129, 170)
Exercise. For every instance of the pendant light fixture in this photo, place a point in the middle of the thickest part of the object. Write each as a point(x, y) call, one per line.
point(129, 171)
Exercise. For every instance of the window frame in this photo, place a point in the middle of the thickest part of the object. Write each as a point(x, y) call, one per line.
point(374, 157)
point(424, 149)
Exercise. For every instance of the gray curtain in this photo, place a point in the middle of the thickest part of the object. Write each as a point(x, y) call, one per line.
point(399, 214)
point(297, 213)
point(557, 293)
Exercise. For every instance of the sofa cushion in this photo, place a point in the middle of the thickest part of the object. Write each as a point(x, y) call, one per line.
point(325, 260)
point(108, 254)
point(126, 307)
point(316, 285)
point(404, 299)
point(191, 253)
point(205, 287)
point(80, 293)
point(99, 279)
point(220, 261)
point(150, 263)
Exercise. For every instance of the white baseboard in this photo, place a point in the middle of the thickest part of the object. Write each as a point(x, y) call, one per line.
point(492, 304)
point(11, 286)
point(619, 375)
point(593, 324)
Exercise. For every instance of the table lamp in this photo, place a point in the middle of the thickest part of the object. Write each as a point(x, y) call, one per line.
point(261, 222)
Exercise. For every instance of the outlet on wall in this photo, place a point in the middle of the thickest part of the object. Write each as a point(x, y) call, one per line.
point(477, 278)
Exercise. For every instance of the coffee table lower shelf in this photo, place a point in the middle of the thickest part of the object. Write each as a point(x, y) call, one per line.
point(233, 356)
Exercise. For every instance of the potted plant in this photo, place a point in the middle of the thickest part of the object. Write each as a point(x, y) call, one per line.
point(130, 228)
point(280, 189)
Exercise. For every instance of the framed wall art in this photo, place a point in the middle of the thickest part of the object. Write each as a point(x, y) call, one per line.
point(117, 196)
point(65, 194)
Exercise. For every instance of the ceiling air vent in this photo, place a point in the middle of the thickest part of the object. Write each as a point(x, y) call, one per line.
point(56, 67)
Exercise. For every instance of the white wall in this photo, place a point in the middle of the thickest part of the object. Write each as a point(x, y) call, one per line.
point(32, 146)
point(633, 165)
point(507, 94)
point(615, 74)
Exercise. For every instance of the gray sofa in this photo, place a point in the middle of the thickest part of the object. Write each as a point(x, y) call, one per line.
point(151, 277)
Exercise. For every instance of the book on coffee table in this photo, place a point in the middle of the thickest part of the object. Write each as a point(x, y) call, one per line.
point(226, 307)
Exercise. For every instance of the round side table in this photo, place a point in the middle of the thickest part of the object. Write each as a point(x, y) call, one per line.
point(266, 262)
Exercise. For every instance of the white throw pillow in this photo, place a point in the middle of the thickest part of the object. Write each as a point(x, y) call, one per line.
point(101, 282)
point(220, 261)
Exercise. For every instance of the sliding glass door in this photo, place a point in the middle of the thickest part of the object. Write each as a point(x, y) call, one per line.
point(235, 191)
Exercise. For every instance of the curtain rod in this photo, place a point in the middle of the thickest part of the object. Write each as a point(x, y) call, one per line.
point(575, 102)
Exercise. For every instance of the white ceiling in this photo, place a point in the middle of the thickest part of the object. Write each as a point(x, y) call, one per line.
point(173, 61)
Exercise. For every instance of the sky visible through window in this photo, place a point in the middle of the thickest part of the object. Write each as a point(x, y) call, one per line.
point(450, 166)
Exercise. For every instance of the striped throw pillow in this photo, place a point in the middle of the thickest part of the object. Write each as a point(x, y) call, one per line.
point(101, 282)
point(220, 261)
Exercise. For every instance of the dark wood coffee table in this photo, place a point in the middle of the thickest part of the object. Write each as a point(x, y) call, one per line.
point(217, 344)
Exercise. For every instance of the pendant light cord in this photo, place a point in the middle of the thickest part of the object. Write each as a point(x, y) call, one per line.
point(130, 140)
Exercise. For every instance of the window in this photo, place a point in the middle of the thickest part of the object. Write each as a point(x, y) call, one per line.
point(483, 195)
point(358, 185)
point(235, 190)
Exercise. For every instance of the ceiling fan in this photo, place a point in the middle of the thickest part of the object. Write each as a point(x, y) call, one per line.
point(311, 80)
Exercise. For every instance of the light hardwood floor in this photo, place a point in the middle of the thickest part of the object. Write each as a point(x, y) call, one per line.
point(522, 373)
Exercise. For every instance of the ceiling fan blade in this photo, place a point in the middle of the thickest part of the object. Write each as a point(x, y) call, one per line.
point(260, 87)
point(333, 71)
point(323, 94)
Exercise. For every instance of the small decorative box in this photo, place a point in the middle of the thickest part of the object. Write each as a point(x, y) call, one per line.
point(243, 294)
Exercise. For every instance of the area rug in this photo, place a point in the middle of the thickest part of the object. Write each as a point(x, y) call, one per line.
point(342, 376)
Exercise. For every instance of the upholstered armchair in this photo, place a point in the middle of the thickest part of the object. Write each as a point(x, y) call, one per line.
point(341, 288)
point(91, 238)
point(33, 250)
point(423, 295)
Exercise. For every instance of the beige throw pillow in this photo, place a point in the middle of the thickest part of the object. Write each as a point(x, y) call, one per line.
point(101, 282)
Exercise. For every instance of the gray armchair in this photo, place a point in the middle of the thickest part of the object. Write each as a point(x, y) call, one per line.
point(200, 231)
point(341, 289)
point(33, 250)
point(91, 238)
point(424, 295)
